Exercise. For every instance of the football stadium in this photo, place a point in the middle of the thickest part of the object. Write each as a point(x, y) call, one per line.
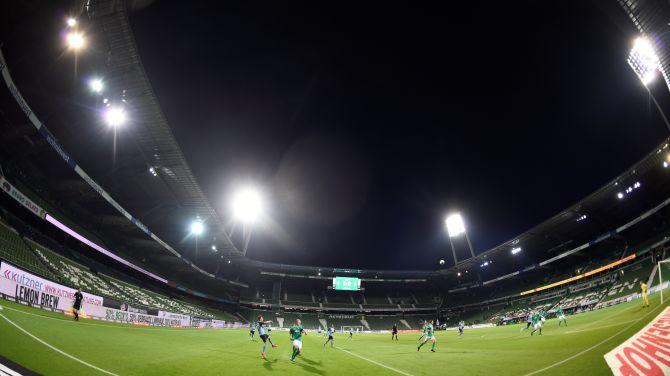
point(250, 188)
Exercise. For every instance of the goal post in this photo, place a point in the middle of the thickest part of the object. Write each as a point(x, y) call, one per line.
point(354, 328)
point(663, 275)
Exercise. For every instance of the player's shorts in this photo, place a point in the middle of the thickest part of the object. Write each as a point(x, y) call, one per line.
point(460, 330)
point(543, 319)
point(297, 344)
point(76, 306)
point(561, 317)
point(431, 338)
point(330, 337)
point(265, 337)
point(538, 325)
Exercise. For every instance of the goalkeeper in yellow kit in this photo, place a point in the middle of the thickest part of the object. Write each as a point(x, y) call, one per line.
point(645, 298)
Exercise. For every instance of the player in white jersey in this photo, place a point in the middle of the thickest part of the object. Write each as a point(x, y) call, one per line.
point(330, 332)
point(264, 332)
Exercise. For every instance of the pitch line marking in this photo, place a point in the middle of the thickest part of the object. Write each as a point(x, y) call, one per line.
point(598, 327)
point(57, 349)
point(374, 362)
point(592, 347)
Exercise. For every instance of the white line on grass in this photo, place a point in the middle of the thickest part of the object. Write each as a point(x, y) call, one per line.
point(57, 349)
point(592, 347)
point(606, 318)
point(374, 362)
point(599, 327)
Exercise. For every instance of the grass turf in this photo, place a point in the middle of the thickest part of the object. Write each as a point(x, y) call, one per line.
point(128, 350)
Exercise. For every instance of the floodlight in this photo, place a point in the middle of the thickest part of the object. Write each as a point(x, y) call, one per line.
point(643, 60)
point(197, 228)
point(455, 225)
point(516, 250)
point(96, 85)
point(115, 116)
point(71, 22)
point(619, 195)
point(459, 274)
point(75, 40)
point(214, 248)
point(665, 164)
point(247, 205)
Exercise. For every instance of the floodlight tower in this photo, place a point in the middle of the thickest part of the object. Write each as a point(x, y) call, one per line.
point(247, 207)
point(645, 63)
point(455, 228)
point(197, 228)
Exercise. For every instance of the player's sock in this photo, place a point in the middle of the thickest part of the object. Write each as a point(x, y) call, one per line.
point(295, 353)
point(265, 347)
point(433, 347)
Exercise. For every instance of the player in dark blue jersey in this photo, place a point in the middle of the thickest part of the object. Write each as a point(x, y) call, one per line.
point(76, 306)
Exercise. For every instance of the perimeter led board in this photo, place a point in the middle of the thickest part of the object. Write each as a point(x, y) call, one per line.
point(346, 284)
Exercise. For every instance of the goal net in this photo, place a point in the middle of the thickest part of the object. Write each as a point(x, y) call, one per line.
point(355, 329)
point(663, 272)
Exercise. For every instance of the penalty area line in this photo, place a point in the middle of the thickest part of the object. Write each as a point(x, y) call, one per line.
point(374, 362)
point(598, 327)
point(594, 346)
point(56, 349)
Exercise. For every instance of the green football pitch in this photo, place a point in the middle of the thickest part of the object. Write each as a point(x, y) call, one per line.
point(53, 344)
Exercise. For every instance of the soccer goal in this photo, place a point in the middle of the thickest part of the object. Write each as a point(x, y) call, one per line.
point(355, 329)
point(663, 275)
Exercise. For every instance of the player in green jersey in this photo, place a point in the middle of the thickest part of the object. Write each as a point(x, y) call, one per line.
point(537, 323)
point(423, 329)
point(430, 336)
point(296, 333)
point(561, 317)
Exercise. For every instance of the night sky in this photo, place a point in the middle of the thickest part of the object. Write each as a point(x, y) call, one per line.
point(364, 126)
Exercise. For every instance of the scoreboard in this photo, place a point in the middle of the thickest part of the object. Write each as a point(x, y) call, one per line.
point(346, 284)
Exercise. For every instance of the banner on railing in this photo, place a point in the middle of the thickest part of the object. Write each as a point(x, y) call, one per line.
point(21, 198)
point(36, 291)
point(184, 319)
point(115, 315)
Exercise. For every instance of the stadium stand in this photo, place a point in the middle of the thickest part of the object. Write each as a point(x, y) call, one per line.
point(76, 275)
point(14, 250)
